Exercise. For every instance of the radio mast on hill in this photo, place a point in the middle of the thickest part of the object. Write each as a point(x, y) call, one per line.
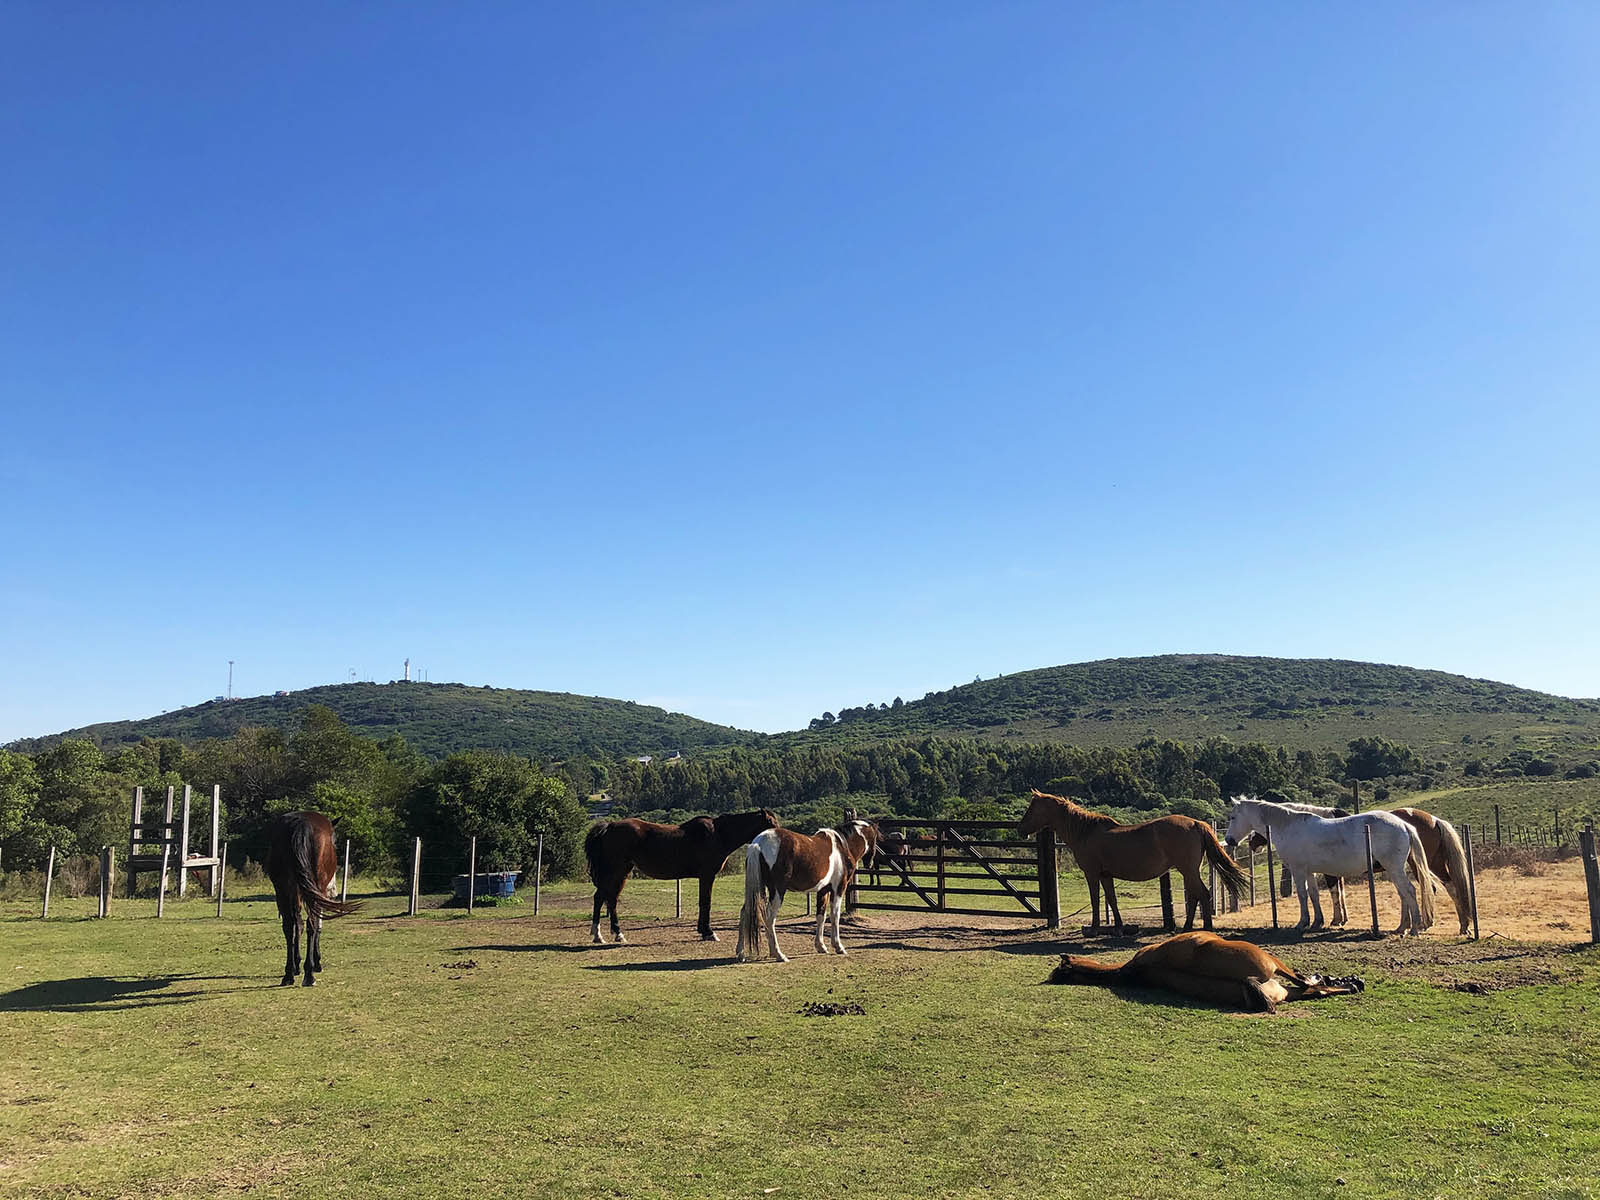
point(408, 671)
point(230, 679)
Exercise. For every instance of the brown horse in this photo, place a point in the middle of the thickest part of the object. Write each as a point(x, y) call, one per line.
point(1107, 850)
point(695, 849)
point(781, 860)
point(1447, 858)
point(1208, 966)
point(301, 862)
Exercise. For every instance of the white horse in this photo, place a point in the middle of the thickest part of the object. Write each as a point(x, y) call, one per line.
point(1311, 845)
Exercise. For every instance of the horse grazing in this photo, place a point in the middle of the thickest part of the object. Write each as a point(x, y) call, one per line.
point(1447, 858)
point(1106, 850)
point(1311, 845)
point(781, 860)
point(301, 862)
point(1208, 966)
point(695, 849)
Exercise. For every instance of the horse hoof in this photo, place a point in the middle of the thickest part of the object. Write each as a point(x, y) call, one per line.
point(310, 982)
point(288, 981)
point(709, 936)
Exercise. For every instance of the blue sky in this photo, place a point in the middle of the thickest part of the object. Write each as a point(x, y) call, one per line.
point(761, 359)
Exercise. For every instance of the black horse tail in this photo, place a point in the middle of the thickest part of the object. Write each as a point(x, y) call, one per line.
point(303, 848)
point(591, 848)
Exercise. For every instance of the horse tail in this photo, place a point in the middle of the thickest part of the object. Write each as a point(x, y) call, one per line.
point(303, 848)
point(1456, 876)
point(1233, 878)
point(591, 848)
point(750, 914)
point(1419, 863)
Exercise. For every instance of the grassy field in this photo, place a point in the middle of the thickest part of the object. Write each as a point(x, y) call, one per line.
point(1526, 802)
point(500, 1055)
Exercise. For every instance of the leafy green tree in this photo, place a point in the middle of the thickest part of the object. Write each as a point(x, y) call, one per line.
point(19, 797)
point(1378, 758)
point(504, 802)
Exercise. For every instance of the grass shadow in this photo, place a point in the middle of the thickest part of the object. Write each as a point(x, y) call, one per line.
point(674, 964)
point(109, 993)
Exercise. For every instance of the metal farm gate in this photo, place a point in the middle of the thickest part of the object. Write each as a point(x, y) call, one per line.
point(964, 861)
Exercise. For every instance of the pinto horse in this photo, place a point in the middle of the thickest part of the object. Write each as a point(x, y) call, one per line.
point(1311, 845)
point(781, 860)
point(1208, 966)
point(695, 849)
point(301, 862)
point(1106, 850)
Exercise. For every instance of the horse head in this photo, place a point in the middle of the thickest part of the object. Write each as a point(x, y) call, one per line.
point(1241, 821)
point(1040, 810)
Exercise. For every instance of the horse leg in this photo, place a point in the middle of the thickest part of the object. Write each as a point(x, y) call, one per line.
point(823, 897)
point(1300, 891)
point(311, 942)
point(594, 925)
point(291, 942)
point(1316, 899)
point(1410, 912)
point(1195, 895)
point(1094, 903)
point(774, 903)
point(1111, 904)
point(838, 912)
point(616, 930)
point(315, 957)
point(707, 934)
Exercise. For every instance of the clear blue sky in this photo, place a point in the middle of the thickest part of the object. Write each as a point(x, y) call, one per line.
point(761, 359)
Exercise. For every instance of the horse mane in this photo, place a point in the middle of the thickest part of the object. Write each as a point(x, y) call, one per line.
point(1078, 819)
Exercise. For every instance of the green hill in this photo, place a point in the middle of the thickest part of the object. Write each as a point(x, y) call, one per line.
point(438, 718)
point(1316, 704)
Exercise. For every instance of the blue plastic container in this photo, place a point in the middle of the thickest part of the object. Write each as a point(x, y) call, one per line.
point(491, 885)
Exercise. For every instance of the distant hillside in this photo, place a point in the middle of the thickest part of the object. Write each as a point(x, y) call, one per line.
point(1318, 704)
point(438, 718)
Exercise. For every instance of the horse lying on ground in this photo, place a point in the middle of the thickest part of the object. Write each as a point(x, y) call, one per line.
point(1311, 845)
point(301, 862)
point(1208, 966)
point(1106, 850)
point(781, 860)
point(695, 849)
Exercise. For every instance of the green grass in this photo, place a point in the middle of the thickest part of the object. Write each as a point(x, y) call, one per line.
point(1521, 801)
point(158, 1058)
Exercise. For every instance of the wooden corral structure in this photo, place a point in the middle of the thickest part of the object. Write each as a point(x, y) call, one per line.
point(944, 866)
point(161, 843)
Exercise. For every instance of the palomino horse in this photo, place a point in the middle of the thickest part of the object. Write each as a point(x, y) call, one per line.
point(301, 862)
point(1447, 858)
point(695, 849)
point(1106, 850)
point(1209, 967)
point(781, 860)
point(1311, 845)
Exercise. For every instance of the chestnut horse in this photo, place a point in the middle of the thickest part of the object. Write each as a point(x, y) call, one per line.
point(1208, 966)
point(695, 849)
point(781, 860)
point(1107, 850)
point(301, 862)
point(1447, 858)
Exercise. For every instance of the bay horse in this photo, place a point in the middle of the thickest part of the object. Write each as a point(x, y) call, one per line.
point(1107, 850)
point(1311, 845)
point(694, 850)
point(1447, 858)
point(301, 862)
point(1208, 966)
point(781, 860)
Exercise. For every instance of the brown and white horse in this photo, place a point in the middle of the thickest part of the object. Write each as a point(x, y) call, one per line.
point(1208, 966)
point(781, 860)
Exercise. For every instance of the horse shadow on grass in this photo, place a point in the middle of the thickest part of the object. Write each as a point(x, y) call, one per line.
point(109, 993)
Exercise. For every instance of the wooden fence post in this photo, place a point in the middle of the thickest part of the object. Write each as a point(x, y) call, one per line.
point(1591, 880)
point(677, 898)
point(1272, 877)
point(1497, 825)
point(1372, 884)
point(472, 872)
point(344, 885)
point(1049, 883)
point(538, 878)
point(1250, 852)
point(183, 845)
point(161, 891)
point(106, 868)
point(222, 876)
point(1472, 879)
point(939, 855)
point(216, 826)
point(133, 836)
point(416, 876)
point(49, 875)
